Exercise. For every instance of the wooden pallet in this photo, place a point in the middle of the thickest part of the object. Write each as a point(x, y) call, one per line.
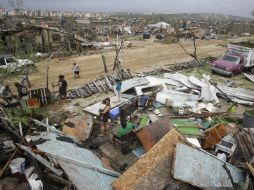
point(101, 85)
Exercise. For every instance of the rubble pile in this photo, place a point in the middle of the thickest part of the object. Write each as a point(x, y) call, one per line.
point(166, 131)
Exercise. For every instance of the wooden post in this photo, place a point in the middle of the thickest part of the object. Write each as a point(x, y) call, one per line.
point(20, 129)
point(47, 123)
point(47, 77)
point(104, 63)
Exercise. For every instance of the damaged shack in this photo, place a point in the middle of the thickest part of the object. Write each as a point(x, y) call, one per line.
point(38, 39)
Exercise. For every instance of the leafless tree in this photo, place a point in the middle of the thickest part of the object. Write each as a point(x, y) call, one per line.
point(252, 12)
point(194, 54)
point(16, 5)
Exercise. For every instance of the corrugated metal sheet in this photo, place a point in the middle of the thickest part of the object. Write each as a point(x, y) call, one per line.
point(178, 98)
point(82, 178)
point(250, 77)
point(202, 169)
point(131, 83)
point(181, 78)
point(153, 85)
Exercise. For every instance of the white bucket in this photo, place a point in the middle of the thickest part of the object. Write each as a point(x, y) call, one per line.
point(16, 165)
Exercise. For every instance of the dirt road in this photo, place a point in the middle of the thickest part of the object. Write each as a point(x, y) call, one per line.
point(142, 57)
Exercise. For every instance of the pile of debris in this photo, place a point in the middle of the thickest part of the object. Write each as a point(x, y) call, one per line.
point(184, 139)
point(174, 132)
point(52, 160)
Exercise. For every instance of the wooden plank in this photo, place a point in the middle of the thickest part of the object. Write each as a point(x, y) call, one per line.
point(102, 85)
point(108, 83)
point(53, 129)
point(97, 86)
point(241, 147)
point(85, 165)
point(81, 92)
point(152, 170)
point(77, 92)
point(251, 166)
point(41, 160)
point(94, 88)
point(85, 91)
point(88, 89)
point(202, 169)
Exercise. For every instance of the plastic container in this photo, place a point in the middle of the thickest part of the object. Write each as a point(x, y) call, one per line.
point(114, 113)
point(248, 121)
point(16, 165)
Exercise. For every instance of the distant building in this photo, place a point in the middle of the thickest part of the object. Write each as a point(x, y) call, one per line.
point(36, 39)
point(240, 28)
point(38, 13)
point(203, 25)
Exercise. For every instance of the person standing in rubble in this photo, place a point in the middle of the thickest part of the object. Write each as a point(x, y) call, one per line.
point(76, 70)
point(25, 77)
point(105, 116)
point(118, 88)
point(62, 87)
point(6, 94)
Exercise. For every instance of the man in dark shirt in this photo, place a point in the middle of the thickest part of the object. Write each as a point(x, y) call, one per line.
point(62, 87)
point(22, 90)
point(25, 77)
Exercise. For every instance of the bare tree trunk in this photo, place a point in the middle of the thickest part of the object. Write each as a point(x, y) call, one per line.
point(104, 63)
point(194, 55)
point(116, 62)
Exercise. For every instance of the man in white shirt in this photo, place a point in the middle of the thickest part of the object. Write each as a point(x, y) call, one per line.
point(76, 70)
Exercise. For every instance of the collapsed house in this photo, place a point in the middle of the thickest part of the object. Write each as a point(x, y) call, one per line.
point(38, 39)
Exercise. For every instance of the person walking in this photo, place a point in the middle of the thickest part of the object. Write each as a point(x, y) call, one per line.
point(76, 70)
point(118, 88)
point(62, 84)
point(25, 77)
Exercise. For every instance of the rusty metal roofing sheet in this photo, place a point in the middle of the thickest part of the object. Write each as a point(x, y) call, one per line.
point(151, 134)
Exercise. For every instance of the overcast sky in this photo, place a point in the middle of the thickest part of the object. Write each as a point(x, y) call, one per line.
point(232, 7)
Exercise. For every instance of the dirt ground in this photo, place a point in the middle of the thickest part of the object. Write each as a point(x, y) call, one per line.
point(143, 56)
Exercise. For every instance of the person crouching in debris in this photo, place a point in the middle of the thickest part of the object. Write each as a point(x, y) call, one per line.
point(76, 70)
point(21, 89)
point(118, 88)
point(62, 87)
point(6, 94)
point(105, 116)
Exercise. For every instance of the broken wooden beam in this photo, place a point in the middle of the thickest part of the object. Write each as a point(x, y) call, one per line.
point(41, 160)
point(85, 165)
point(51, 128)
